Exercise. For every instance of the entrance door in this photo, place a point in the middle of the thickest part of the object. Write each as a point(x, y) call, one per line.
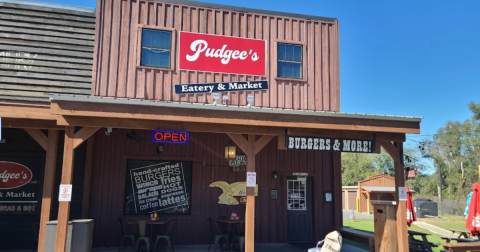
point(299, 209)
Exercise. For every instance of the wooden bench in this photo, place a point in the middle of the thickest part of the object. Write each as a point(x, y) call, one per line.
point(462, 246)
point(357, 236)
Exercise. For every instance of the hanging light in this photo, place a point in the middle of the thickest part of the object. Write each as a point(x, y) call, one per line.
point(230, 151)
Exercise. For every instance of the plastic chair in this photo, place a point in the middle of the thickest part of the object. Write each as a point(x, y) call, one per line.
point(127, 234)
point(217, 235)
point(167, 236)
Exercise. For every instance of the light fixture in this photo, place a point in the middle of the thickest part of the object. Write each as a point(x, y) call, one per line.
point(230, 151)
point(274, 175)
point(215, 98)
point(108, 131)
point(249, 99)
point(225, 99)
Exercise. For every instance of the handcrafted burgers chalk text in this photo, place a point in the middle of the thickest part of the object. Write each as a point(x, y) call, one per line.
point(158, 187)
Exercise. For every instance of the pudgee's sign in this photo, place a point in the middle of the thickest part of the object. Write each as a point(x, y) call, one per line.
point(330, 144)
point(19, 186)
point(222, 54)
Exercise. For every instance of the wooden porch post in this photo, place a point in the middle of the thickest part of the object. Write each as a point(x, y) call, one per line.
point(48, 183)
point(396, 152)
point(72, 141)
point(251, 147)
point(67, 175)
point(401, 205)
point(250, 208)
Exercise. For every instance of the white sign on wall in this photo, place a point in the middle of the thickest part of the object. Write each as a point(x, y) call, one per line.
point(251, 179)
point(65, 193)
point(402, 193)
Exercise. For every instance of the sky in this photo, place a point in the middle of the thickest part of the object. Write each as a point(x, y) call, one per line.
point(405, 58)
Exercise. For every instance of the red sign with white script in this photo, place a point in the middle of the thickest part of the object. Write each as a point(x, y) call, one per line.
point(221, 54)
point(13, 175)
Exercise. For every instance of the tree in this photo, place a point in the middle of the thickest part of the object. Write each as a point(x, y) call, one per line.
point(475, 108)
point(456, 151)
point(356, 167)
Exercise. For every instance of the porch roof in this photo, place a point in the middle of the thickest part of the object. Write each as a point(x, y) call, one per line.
point(70, 107)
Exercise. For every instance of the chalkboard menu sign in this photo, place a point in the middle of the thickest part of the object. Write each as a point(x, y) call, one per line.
point(20, 185)
point(158, 186)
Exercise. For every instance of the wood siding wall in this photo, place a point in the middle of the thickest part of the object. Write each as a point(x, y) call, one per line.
point(206, 151)
point(117, 75)
point(44, 50)
point(20, 232)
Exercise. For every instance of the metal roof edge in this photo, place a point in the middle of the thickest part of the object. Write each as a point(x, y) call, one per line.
point(50, 5)
point(112, 100)
point(249, 10)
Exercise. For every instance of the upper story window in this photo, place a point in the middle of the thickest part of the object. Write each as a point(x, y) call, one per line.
point(156, 48)
point(289, 61)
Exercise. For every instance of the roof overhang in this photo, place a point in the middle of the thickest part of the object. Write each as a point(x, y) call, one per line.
point(145, 114)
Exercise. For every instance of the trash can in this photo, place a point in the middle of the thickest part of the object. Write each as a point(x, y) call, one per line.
point(385, 225)
point(82, 233)
point(425, 207)
point(79, 235)
point(51, 234)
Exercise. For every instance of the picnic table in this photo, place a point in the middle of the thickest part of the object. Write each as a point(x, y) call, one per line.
point(419, 245)
point(461, 232)
point(463, 246)
point(449, 238)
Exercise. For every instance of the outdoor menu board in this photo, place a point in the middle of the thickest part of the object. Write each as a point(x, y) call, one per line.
point(158, 186)
point(20, 185)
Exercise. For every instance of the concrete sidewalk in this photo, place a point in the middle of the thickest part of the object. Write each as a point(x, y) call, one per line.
point(262, 247)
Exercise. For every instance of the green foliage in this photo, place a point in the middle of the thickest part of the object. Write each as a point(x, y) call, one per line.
point(475, 108)
point(455, 150)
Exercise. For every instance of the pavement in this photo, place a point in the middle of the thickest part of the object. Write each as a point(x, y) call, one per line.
point(348, 214)
point(432, 228)
point(261, 247)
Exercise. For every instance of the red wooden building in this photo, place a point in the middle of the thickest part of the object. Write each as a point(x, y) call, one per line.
point(266, 81)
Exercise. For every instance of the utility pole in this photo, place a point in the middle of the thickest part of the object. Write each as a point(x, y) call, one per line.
point(440, 186)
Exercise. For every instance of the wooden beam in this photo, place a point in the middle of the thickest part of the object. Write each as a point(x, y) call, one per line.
point(344, 134)
point(392, 150)
point(87, 178)
point(402, 237)
point(240, 141)
point(48, 185)
point(281, 141)
point(39, 137)
point(19, 111)
point(29, 124)
point(165, 125)
point(262, 142)
point(67, 174)
point(337, 189)
point(179, 114)
point(250, 207)
point(83, 134)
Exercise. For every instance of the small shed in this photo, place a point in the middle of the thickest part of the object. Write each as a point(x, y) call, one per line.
point(377, 187)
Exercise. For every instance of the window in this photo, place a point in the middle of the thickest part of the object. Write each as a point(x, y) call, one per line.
point(289, 59)
point(156, 48)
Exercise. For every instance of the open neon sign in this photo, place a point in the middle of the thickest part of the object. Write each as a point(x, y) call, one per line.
point(163, 136)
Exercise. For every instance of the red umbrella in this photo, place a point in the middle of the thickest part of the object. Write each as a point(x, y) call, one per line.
point(410, 212)
point(473, 218)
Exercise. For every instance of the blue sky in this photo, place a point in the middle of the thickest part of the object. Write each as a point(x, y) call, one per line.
point(409, 58)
